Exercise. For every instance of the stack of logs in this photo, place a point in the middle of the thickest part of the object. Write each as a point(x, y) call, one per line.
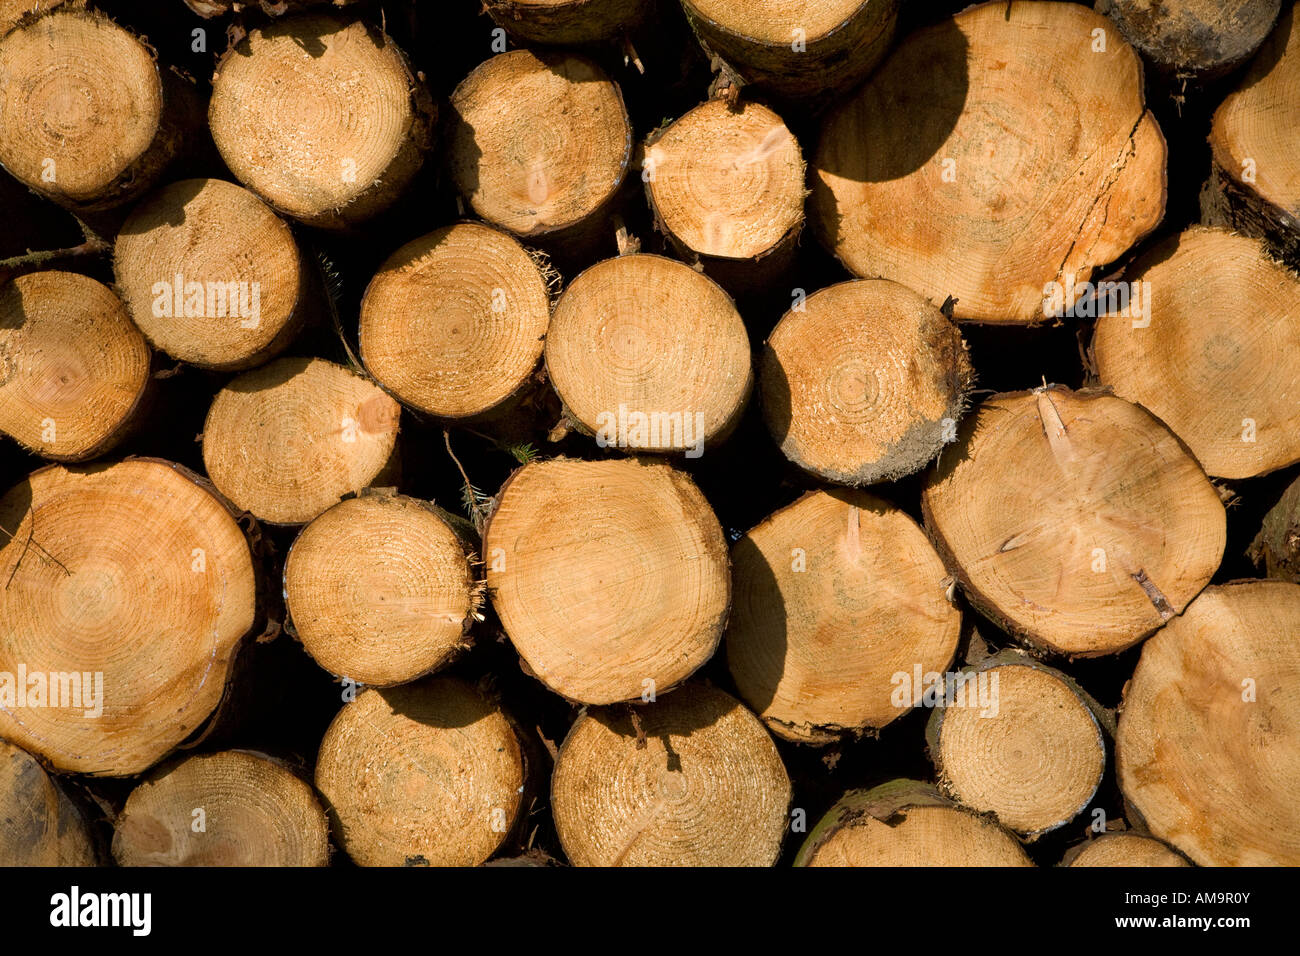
point(952, 529)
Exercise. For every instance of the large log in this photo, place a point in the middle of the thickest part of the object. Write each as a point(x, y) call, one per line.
point(129, 587)
point(1075, 520)
point(1208, 750)
point(984, 178)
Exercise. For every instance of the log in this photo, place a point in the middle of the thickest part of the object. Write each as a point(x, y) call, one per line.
point(726, 187)
point(428, 774)
point(567, 22)
point(129, 587)
point(835, 596)
point(907, 823)
point(1019, 740)
point(984, 179)
point(233, 808)
point(287, 440)
point(796, 50)
point(1217, 356)
point(453, 323)
point(74, 370)
point(1276, 548)
point(1123, 849)
point(379, 589)
point(540, 144)
point(219, 8)
point(864, 382)
point(322, 117)
point(646, 354)
point(1197, 40)
point(12, 11)
point(699, 784)
point(1254, 183)
point(211, 275)
point(1207, 755)
point(39, 824)
point(1107, 530)
point(610, 577)
point(98, 132)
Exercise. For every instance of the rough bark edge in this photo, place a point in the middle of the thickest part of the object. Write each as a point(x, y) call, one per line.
point(576, 23)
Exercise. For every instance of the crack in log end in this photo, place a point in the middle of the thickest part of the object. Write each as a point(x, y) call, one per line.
point(853, 537)
point(1013, 542)
point(1154, 595)
point(1054, 427)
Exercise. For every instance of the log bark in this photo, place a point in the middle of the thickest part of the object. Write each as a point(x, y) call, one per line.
point(864, 382)
point(322, 117)
point(540, 144)
point(699, 784)
point(835, 596)
point(907, 823)
point(96, 136)
point(1254, 183)
point(1019, 740)
point(136, 581)
point(981, 181)
point(796, 51)
point(568, 22)
point(662, 372)
point(610, 577)
point(212, 276)
point(1276, 548)
point(1216, 356)
point(380, 590)
point(39, 824)
point(233, 808)
point(74, 370)
point(726, 187)
point(429, 774)
point(1206, 755)
point(1075, 520)
point(453, 323)
point(288, 440)
point(1198, 40)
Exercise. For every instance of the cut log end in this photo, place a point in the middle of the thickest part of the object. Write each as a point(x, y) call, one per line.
point(224, 809)
point(835, 596)
point(322, 117)
point(211, 275)
point(610, 577)
point(1020, 742)
point(864, 382)
point(705, 785)
point(454, 322)
point(1193, 39)
point(289, 439)
point(727, 184)
point(73, 368)
point(1215, 352)
point(1108, 528)
point(668, 372)
point(1002, 187)
point(379, 589)
point(128, 589)
point(907, 823)
point(540, 142)
point(1124, 849)
point(39, 824)
point(429, 774)
point(1206, 752)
